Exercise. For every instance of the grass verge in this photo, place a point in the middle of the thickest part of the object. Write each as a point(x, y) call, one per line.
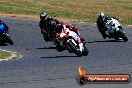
point(4, 54)
point(82, 10)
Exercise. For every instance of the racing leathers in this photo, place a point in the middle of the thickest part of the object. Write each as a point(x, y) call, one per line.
point(101, 25)
point(47, 26)
point(67, 30)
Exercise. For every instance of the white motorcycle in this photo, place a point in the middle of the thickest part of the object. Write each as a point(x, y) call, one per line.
point(115, 29)
point(72, 42)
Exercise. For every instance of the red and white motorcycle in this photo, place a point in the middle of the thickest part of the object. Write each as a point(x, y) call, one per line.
point(72, 42)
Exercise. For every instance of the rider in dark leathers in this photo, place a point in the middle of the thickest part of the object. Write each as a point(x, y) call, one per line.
point(101, 20)
point(47, 25)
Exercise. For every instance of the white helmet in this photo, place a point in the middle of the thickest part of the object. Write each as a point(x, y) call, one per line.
point(101, 14)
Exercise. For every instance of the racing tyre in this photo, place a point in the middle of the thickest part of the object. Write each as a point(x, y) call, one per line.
point(123, 36)
point(75, 50)
point(8, 39)
point(85, 51)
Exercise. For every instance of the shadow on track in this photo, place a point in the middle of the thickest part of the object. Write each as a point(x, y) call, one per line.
point(58, 57)
point(3, 44)
point(106, 41)
point(47, 48)
point(54, 56)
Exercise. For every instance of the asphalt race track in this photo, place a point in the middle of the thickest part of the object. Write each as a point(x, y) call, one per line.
point(43, 67)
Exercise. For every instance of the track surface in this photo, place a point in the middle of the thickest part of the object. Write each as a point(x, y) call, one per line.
point(43, 67)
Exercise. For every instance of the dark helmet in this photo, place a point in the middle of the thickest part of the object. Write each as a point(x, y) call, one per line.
point(0, 19)
point(43, 15)
point(52, 23)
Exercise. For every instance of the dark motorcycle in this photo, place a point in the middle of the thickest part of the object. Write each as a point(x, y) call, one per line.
point(4, 36)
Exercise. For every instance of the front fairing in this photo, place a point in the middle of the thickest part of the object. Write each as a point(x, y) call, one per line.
point(113, 25)
point(122, 30)
point(2, 28)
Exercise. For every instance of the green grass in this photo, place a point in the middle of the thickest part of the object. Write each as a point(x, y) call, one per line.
point(4, 54)
point(82, 10)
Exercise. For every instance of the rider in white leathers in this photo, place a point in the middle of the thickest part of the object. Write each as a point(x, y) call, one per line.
point(101, 24)
point(112, 24)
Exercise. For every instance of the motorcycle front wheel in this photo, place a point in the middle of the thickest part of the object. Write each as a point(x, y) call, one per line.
point(74, 49)
point(123, 36)
point(85, 51)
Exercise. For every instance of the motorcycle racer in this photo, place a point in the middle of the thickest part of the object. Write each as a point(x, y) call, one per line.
point(74, 29)
point(4, 33)
point(68, 29)
point(101, 21)
point(46, 25)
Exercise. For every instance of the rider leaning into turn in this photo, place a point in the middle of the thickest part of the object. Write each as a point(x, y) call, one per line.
point(67, 28)
point(101, 20)
point(47, 24)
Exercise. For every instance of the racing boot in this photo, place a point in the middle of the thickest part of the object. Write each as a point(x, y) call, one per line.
point(45, 36)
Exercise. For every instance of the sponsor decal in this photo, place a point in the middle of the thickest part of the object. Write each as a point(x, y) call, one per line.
point(83, 78)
